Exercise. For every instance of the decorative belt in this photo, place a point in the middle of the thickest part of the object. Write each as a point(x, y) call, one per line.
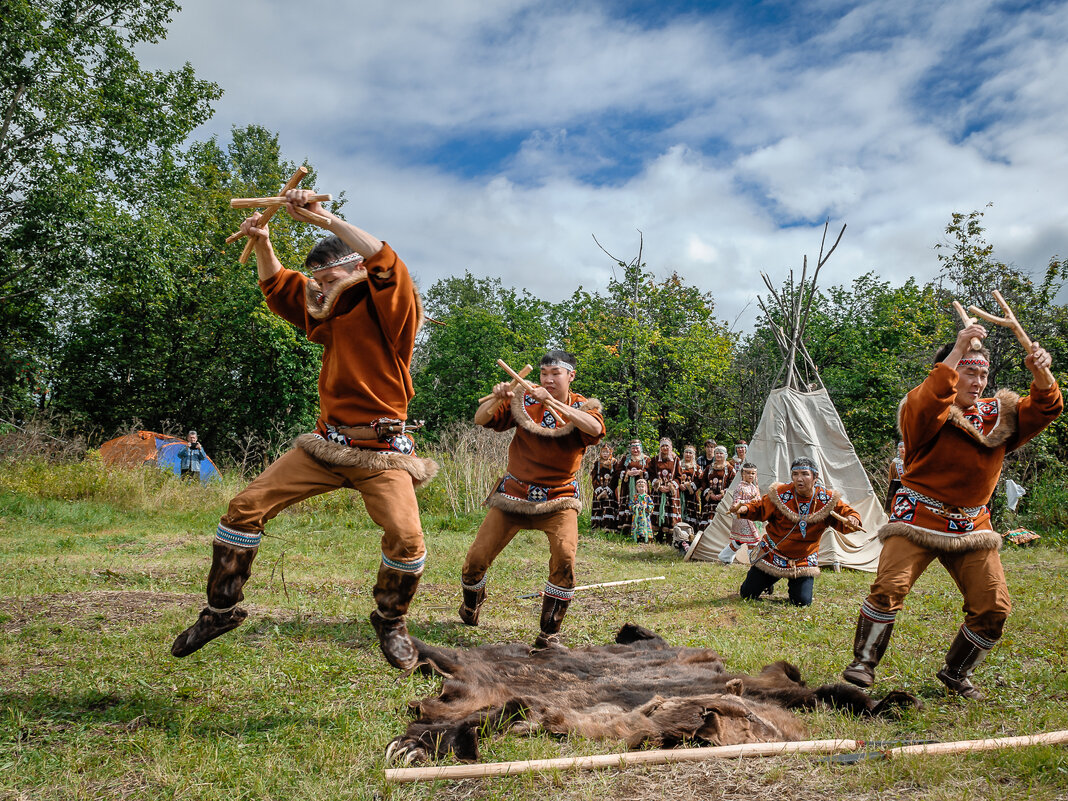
point(381, 429)
point(939, 508)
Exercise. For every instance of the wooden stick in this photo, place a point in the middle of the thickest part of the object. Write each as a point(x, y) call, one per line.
point(666, 756)
point(1049, 738)
point(554, 407)
point(1010, 321)
point(527, 369)
point(603, 584)
point(292, 183)
point(977, 343)
point(847, 521)
point(257, 202)
point(661, 756)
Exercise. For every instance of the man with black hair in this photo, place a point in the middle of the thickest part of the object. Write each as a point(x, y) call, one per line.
point(955, 443)
point(190, 455)
point(360, 304)
point(797, 514)
point(540, 489)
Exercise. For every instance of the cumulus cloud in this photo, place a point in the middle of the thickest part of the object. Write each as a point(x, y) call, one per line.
point(724, 141)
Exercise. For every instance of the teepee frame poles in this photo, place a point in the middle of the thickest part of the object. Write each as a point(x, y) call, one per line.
point(795, 311)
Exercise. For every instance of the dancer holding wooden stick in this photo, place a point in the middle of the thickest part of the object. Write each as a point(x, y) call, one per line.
point(540, 490)
point(955, 443)
point(359, 302)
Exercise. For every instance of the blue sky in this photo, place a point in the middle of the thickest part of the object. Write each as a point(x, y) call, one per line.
point(500, 137)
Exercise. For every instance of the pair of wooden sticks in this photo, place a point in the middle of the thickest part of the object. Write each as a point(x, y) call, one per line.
point(558, 409)
point(273, 204)
point(1008, 321)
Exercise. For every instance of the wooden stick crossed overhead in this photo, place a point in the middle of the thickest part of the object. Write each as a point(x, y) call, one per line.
point(527, 369)
point(292, 183)
point(1009, 321)
point(976, 343)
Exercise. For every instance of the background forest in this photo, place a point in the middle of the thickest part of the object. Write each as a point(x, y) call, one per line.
point(120, 306)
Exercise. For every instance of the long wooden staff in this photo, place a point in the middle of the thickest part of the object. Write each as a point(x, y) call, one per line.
point(668, 755)
point(558, 410)
point(527, 369)
point(602, 584)
point(259, 202)
point(1010, 321)
point(976, 343)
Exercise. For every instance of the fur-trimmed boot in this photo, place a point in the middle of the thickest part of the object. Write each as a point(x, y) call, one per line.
point(393, 593)
point(230, 569)
point(869, 645)
point(965, 653)
point(552, 617)
point(474, 596)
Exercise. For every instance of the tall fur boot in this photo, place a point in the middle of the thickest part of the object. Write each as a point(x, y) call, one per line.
point(552, 617)
point(393, 593)
point(869, 645)
point(965, 653)
point(474, 596)
point(230, 569)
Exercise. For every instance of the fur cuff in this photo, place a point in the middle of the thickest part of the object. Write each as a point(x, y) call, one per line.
point(531, 508)
point(981, 540)
point(816, 517)
point(421, 470)
point(523, 420)
point(786, 572)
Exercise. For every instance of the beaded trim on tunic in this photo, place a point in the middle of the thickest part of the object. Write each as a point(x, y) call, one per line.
point(955, 512)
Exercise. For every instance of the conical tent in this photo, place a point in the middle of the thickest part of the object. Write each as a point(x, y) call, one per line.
point(799, 419)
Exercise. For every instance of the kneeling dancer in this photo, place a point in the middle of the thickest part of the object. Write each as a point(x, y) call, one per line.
point(540, 490)
point(955, 443)
point(361, 305)
point(797, 514)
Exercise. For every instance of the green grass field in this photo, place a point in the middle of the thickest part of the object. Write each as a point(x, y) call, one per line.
point(99, 570)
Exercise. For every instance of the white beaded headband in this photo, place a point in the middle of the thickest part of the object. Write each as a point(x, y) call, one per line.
point(352, 257)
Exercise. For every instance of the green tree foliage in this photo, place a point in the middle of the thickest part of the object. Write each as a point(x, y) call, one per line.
point(170, 327)
point(82, 130)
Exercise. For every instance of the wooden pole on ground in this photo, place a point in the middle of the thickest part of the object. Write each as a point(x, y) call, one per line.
point(674, 755)
point(661, 756)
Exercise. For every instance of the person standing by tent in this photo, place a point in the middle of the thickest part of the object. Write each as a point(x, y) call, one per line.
point(717, 476)
point(796, 514)
point(361, 305)
point(897, 470)
point(603, 478)
point(632, 466)
point(689, 487)
point(955, 443)
point(743, 532)
point(664, 469)
point(190, 455)
point(540, 490)
point(740, 450)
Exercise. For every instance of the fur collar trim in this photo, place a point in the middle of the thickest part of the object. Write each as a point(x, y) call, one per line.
point(829, 499)
point(1004, 409)
point(786, 572)
point(332, 453)
point(981, 540)
point(526, 422)
point(319, 306)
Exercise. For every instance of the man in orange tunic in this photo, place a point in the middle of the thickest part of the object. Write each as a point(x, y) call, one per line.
point(361, 305)
point(797, 514)
point(955, 442)
point(540, 490)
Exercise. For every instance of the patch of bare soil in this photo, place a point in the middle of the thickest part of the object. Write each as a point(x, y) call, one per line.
point(102, 610)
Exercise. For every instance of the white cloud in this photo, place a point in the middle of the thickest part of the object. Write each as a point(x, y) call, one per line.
point(731, 139)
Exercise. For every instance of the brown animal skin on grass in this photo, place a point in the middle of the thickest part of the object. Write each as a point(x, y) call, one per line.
point(639, 690)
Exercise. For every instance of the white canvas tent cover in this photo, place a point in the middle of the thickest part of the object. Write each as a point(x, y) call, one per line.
point(794, 424)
